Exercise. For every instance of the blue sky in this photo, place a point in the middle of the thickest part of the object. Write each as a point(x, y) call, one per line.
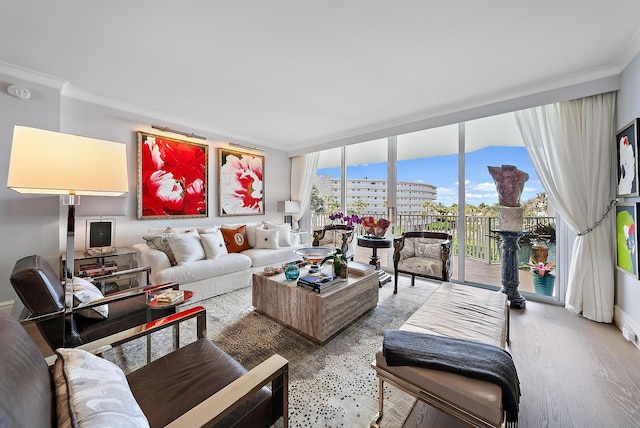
point(442, 172)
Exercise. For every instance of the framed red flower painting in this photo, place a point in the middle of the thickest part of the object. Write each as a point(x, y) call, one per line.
point(172, 177)
point(240, 183)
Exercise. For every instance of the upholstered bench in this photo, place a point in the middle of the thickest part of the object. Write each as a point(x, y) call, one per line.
point(461, 312)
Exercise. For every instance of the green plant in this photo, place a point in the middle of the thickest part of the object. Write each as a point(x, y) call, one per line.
point(544, 232)
point(339, 261)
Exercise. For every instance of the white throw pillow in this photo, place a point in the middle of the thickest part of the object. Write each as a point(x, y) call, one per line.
point(213, 244)
point(251, 233)
point(86, 292)
point(93, 392)
point(284, 237)
point(186, 247)
point(267, 238)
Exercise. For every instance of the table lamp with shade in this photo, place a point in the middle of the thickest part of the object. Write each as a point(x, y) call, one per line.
point(289, 208)
point(53, 163)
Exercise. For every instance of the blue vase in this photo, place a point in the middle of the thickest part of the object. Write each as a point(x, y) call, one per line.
point(292, 271)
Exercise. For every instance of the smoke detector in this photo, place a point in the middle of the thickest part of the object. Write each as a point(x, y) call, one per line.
point(19, 92)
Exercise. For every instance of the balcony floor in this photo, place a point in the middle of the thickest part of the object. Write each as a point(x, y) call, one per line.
point(476, 271)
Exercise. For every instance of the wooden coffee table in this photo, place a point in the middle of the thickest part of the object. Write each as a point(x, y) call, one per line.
point(318, 316)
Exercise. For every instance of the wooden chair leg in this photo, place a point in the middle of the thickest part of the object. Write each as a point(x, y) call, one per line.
point(395, 282)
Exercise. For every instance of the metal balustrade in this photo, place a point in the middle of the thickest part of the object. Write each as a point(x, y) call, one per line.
point(480, 242)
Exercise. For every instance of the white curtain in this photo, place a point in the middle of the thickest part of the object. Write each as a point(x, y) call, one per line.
point(303, 172)
point(570, 145)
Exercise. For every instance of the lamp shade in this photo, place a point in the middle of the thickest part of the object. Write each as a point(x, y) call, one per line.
point(288, 207)
point(47, 162)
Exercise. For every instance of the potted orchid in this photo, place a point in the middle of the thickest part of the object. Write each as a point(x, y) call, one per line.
point(348, 220)
point(340, 264)
point(543, 279)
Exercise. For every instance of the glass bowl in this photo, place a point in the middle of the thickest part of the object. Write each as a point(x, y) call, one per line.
point(314, 255)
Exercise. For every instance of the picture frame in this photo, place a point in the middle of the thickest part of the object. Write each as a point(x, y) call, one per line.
point(240, 183)
point(627, 238)
point(627, 160)
point(100, 233)
point(173, 177)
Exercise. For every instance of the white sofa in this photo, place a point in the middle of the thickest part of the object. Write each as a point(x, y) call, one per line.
point(214, 275)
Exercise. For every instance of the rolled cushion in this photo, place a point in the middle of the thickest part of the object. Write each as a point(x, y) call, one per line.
point(236, 239)
point(91, 391)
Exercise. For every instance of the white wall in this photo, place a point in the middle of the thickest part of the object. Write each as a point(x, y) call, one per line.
point(36, 225)
point(628, 288)
point(28, 224)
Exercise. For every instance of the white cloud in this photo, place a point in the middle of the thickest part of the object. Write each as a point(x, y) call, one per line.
point(441, 191)
point(485, 187)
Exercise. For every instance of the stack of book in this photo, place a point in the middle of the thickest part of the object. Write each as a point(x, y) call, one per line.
point(360, 268)
point(319, 283)
point(171, 296)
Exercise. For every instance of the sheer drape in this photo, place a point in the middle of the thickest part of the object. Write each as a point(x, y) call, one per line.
point(569, 144)
point(303, 171)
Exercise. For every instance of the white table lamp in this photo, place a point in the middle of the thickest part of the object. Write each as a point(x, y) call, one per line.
point(288, 208)
point(52, 163)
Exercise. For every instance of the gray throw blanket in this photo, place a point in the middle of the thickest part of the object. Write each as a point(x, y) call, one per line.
point(464, 357)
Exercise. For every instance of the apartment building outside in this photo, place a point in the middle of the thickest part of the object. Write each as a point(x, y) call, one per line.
point(410, 195)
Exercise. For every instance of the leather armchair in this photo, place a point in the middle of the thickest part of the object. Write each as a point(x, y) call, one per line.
point(422, 254)
point(196, 385)
point(336, 236)
point(43, 296)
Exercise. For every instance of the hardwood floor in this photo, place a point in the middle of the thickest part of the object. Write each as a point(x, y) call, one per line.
point(573, 373)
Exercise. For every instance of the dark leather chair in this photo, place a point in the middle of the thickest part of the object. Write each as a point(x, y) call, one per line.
point(196, 385)
point(43, 295)
point(335, 236)
point(422, 254)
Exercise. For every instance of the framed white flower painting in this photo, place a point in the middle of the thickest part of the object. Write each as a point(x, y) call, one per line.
point(172, 177)
point(627, 149)
point(240, 183)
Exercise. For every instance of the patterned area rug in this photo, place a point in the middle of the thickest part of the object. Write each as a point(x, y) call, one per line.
point(329, 386)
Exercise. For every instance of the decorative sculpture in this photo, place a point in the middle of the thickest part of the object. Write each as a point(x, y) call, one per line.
point(509, 181)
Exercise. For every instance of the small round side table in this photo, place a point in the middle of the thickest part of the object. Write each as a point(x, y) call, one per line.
point(374, 244)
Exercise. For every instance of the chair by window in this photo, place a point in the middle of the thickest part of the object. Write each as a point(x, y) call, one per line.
point(422, 254)
point(336, 236)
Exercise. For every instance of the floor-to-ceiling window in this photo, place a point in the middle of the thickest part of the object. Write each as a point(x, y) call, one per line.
point(441, 182)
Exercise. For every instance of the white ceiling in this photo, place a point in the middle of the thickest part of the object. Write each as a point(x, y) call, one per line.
point(291, 74)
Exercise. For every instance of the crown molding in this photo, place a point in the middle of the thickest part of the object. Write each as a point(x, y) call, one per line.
point(582, 84)
point(71, 91)
point(32, 76)
point(629, 51)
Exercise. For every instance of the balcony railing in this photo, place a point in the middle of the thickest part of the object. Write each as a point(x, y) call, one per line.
point(480, 242)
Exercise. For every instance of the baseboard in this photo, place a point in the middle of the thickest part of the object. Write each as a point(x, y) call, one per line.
point(6, 306)
point(622, 319)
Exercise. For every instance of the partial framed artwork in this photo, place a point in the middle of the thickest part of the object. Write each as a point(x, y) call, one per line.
point(240, 183)
point(172, 177)
point(627, 238)
point(627, 149)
